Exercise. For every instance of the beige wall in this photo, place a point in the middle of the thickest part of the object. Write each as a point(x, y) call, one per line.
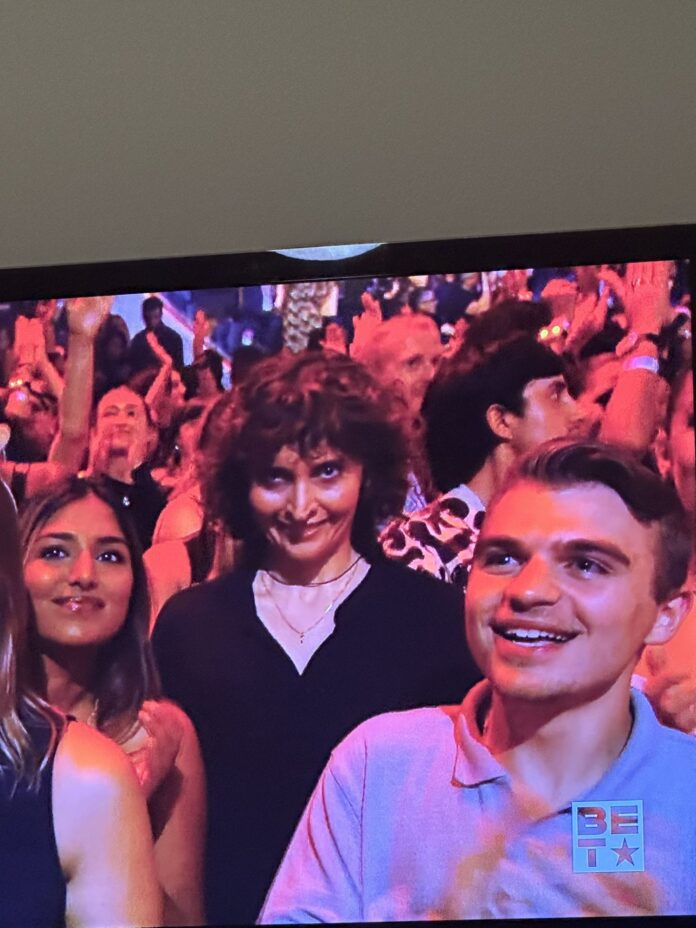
point(163, 127)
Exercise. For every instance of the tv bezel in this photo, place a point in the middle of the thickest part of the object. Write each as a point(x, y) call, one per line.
point(443, 256)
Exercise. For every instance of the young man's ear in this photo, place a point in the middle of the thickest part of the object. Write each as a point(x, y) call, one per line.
point(672, 613)
point(500, 421)
point(662, 459)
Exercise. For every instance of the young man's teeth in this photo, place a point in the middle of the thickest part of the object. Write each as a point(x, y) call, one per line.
point(532, 634)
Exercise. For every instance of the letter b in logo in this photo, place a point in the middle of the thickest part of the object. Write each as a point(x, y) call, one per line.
point(592, 820)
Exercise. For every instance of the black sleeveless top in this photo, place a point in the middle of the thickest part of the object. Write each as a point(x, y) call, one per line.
point(32, 886)
point(18, 482)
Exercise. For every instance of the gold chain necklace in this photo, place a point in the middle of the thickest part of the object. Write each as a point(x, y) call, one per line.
point(300, 633)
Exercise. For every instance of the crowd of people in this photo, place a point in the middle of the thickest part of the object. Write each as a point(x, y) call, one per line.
point(372, 635)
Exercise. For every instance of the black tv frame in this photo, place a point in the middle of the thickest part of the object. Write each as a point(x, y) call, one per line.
point(554, 249)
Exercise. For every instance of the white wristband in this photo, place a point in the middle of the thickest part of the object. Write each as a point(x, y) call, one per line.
point(643, 363)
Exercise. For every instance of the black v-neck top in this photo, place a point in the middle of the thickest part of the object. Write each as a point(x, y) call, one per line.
point(266, 731)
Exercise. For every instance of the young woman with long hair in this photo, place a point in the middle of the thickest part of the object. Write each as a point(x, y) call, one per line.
point(76, 844)
point(89, 618)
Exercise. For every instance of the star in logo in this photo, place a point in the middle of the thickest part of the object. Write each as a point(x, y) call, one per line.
point(624, 853)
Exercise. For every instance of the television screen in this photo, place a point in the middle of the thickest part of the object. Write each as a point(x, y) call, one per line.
point(414, 617)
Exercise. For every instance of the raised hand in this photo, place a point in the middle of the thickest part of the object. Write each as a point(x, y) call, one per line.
point(612, 279)
point(646, 296)
point(201, 328)
point(365, 325)
point(335, 338)
point(562, 295)
point(371, 306)
point(589, 317)
point(46, 311)
point(162, 356)
point(30, 343)
point(514, 285)
point(86, 314)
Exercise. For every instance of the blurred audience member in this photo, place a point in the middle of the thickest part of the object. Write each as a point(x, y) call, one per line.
point(111, 368)
point(123, 439)
point(140, 353)
point(480, 417)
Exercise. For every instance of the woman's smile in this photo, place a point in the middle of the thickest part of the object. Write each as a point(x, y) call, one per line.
point(305, 508)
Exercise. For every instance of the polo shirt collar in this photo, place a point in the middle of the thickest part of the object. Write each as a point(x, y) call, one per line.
point(474, 764)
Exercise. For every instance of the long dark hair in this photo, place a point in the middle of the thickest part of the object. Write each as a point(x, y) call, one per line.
point(126, 673)
point(18, 702)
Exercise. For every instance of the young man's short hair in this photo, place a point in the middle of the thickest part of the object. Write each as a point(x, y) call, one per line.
point(564, 463)
point(458, 437)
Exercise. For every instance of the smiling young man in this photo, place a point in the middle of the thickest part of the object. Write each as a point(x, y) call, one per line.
point(552, 790)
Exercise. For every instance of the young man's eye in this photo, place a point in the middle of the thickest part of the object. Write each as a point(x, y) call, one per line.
point(414, 363)
point(499, 560)
point(588, 567)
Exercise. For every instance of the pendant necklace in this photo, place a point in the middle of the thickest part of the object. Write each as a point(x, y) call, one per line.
point(303, 633)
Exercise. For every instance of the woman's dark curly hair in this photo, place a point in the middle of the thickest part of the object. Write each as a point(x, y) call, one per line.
point(304, 401)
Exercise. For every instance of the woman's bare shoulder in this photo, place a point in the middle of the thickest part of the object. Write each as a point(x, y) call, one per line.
point(86, 757)
point(165, 552)
point(180, 518)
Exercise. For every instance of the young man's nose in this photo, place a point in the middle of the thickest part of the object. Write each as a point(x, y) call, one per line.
point(535, 585)
point(577, 414)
